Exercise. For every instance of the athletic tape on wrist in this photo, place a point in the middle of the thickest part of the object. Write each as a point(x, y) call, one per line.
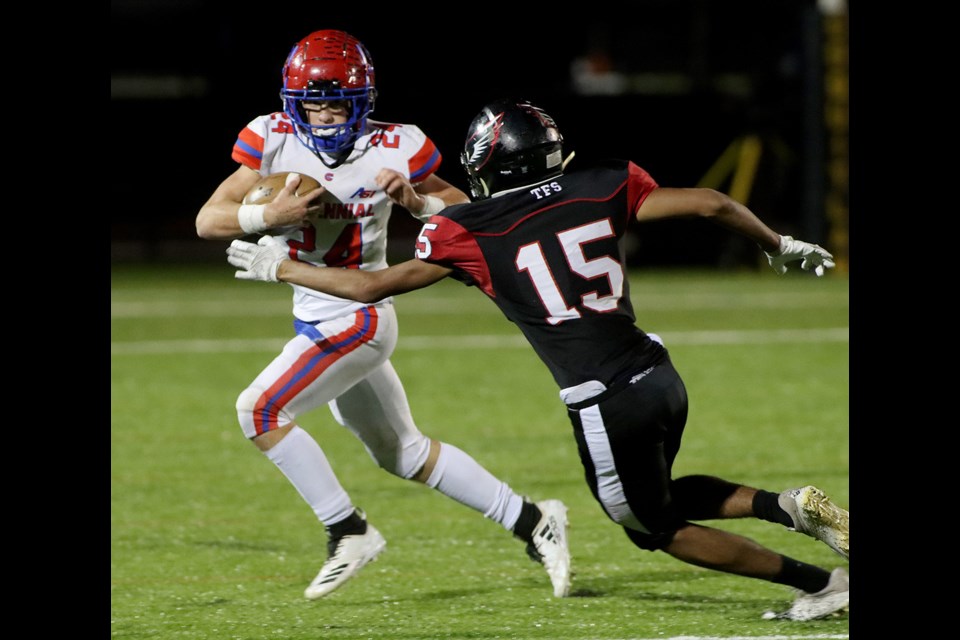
point(250, 217)
point(433, 206)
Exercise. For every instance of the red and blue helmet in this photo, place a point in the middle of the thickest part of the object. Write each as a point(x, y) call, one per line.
point(329, 65)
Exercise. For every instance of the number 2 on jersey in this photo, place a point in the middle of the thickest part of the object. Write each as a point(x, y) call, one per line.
point(530, 258)
point(346, 250)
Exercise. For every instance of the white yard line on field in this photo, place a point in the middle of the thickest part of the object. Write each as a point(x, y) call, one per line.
point(442, 305)
point(489, 341)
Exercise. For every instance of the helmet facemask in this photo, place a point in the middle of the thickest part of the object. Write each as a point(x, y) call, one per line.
point(332, 139)
point(478, 188)
point(329, 66)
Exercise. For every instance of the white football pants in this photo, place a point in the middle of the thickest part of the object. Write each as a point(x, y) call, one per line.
point(344, 364)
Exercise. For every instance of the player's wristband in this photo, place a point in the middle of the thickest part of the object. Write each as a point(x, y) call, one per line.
point(250, 217)
point(432, 206)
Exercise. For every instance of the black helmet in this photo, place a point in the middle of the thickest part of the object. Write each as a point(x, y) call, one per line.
point(511, 143)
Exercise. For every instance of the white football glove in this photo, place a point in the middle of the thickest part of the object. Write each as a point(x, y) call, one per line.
point(257, 261)
point(813, 255)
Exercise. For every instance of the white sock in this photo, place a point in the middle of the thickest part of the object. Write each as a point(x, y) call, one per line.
point(460, 477)
point(305, 465)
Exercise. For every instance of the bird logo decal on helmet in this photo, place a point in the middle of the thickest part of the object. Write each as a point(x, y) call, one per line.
point(510, 143)
point(482, 140)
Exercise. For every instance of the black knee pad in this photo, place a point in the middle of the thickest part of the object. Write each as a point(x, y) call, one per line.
point(700, 497)
point(650, 541)
point(662, 521)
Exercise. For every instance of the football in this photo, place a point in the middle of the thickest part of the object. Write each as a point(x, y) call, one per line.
point(266, 189)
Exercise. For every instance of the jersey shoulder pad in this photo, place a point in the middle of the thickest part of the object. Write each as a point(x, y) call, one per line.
point(409, 138)
point(423, 157)
point(259, 137)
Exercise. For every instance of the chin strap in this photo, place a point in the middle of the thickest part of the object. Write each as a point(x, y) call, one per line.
point(334, 160)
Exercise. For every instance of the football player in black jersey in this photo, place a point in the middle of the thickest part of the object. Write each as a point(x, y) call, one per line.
point(544, 246)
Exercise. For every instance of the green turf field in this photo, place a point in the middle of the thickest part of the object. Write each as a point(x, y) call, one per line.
point(208, 539)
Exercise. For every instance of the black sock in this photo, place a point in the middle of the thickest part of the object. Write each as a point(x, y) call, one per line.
point(766, 507)
point(801, 575)
point(529, 517)
point(351, 525)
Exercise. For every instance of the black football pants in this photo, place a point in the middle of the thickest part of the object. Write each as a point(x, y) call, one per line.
point(628, 438)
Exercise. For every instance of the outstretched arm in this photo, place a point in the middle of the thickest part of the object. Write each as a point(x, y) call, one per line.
point(663, 203)
point(269, 261)
point(359, 285)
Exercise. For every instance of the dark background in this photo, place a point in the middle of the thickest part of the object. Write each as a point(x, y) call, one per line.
point(187, 75)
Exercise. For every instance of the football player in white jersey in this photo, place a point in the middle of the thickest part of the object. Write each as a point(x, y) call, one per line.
point(340, 353)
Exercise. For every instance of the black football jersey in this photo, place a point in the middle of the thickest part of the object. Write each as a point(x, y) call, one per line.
point(551, 257)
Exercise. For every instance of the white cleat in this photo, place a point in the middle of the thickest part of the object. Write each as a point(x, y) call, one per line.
point(549, 545)
point(814, 514)
point(833, 598)
point(349, 555)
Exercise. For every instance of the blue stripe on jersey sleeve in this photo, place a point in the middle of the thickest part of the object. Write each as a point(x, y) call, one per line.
point(246, 148)
point(428, 167)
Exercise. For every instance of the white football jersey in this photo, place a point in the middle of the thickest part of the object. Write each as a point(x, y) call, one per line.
point(352, 234)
